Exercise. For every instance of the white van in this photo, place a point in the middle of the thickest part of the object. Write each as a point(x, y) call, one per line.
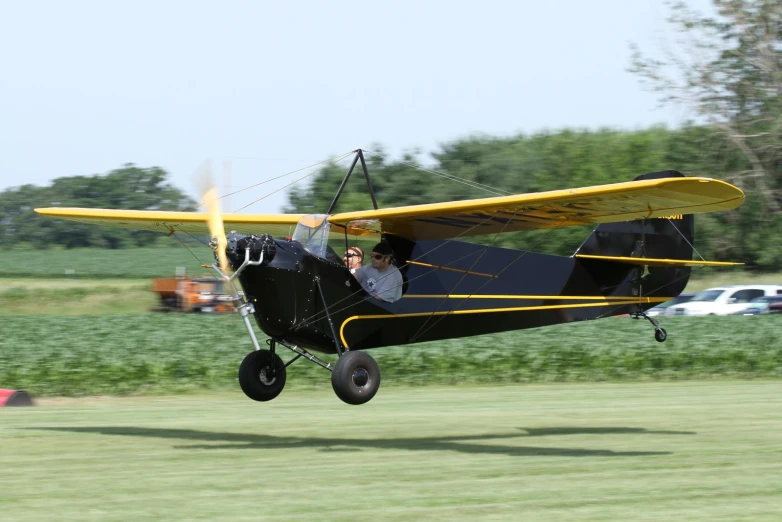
point(723, 300)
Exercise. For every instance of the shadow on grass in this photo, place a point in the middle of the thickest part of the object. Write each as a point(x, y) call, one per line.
point(541, 432)
point(462, 443)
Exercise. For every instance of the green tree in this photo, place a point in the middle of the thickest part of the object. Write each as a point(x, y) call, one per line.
point(129, 187)
point(727, 69)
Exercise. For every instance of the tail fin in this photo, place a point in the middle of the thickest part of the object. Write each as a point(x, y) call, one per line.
point(669, 238)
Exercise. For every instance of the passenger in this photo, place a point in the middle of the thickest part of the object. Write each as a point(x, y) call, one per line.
point(354, 258)
point(381, 279)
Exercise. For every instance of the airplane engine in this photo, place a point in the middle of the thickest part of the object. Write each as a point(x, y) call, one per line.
point(237, 244)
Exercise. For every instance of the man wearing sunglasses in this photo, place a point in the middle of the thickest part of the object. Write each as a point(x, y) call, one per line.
point(354, 258)
point(381, 279)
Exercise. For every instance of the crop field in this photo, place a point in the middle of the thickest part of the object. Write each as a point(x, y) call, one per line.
point(586, 452)
point(165, 353)
point(96, 263)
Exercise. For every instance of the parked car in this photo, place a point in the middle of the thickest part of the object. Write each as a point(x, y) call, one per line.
point(723, 300)
point(761, 305)
point(661, 309)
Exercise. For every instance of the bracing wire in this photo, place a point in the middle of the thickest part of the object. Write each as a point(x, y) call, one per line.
point(319, 315)
point(524, 253)
point(188, 248)
point(451, 177)
point(333, 159)
point(469, 183)
point(442, 302)
point(615, 308)
point(278, 190)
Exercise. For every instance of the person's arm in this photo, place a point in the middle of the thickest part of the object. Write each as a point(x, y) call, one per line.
point(398, 283)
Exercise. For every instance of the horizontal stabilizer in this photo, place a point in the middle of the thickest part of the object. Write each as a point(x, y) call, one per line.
point(648, 261)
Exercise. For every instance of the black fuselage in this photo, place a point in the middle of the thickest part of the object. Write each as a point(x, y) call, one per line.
point(453, 289)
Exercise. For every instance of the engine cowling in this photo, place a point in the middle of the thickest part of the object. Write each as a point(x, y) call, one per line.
point(238, 244)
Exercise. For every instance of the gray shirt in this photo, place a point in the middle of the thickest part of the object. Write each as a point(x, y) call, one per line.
point(385, 285)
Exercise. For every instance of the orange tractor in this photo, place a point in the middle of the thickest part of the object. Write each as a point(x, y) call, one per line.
point(187, 294)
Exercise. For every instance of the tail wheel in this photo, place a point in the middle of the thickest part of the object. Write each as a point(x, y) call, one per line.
point(262, 375)
point(356, 378)
point(660, 335)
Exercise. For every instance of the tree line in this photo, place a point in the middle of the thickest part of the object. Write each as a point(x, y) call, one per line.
point(559, 160)
point(727, 71)
point(129, 187)
point(525, 163)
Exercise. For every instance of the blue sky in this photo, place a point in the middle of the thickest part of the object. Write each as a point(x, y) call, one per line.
point(274, 86)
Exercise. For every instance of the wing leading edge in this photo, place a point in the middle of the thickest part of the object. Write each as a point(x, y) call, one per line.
point(655, 198)
point(168, 222)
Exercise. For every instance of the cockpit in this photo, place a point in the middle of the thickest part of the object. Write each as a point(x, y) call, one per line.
point(329, 241)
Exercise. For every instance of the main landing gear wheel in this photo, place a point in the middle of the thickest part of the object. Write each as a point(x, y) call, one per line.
point(355, 378)
point(262, 375)
point(660, 335)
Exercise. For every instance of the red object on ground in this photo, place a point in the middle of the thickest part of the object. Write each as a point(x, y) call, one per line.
point(14, 398)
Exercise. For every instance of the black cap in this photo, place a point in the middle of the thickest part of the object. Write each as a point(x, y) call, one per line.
point(384, 249)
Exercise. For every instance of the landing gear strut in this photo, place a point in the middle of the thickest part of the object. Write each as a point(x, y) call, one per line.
point(355, 376)
point(660, 335)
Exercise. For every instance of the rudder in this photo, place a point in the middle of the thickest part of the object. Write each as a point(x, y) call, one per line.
point(670, 237)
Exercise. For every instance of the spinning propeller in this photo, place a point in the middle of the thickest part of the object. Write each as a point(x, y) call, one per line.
point(214, 219)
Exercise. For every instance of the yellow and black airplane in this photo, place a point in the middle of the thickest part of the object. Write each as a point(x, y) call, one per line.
point(303, 297)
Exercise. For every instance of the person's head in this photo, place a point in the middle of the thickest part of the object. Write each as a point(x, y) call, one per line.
point(354, 257)
point(381, 256)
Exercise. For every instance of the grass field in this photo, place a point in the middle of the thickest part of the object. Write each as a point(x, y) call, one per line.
point(570, 449)
point(75, 296)
point(665, 451)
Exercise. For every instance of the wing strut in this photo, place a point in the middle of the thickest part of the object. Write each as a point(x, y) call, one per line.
point(359, 156)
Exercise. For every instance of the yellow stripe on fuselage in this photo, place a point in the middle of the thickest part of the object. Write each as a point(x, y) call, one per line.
point(561, 297)
point(490, 310)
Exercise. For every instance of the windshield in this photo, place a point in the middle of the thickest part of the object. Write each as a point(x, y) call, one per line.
point(708, 295)
point(313, 232)
point(329, 241)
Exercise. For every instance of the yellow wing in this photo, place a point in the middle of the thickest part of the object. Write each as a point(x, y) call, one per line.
point(657, 198)
point(169, 222)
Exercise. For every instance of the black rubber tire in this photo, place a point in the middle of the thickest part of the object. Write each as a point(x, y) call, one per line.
point(252, 375)
point(660, 335)
point(355, 378)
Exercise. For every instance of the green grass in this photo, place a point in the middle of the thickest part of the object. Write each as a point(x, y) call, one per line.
point(164, 353)
point(601, 452)
point(49, 297)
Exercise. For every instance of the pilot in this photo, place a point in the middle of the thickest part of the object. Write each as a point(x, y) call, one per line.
point(354, 258)
point(381, 279)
